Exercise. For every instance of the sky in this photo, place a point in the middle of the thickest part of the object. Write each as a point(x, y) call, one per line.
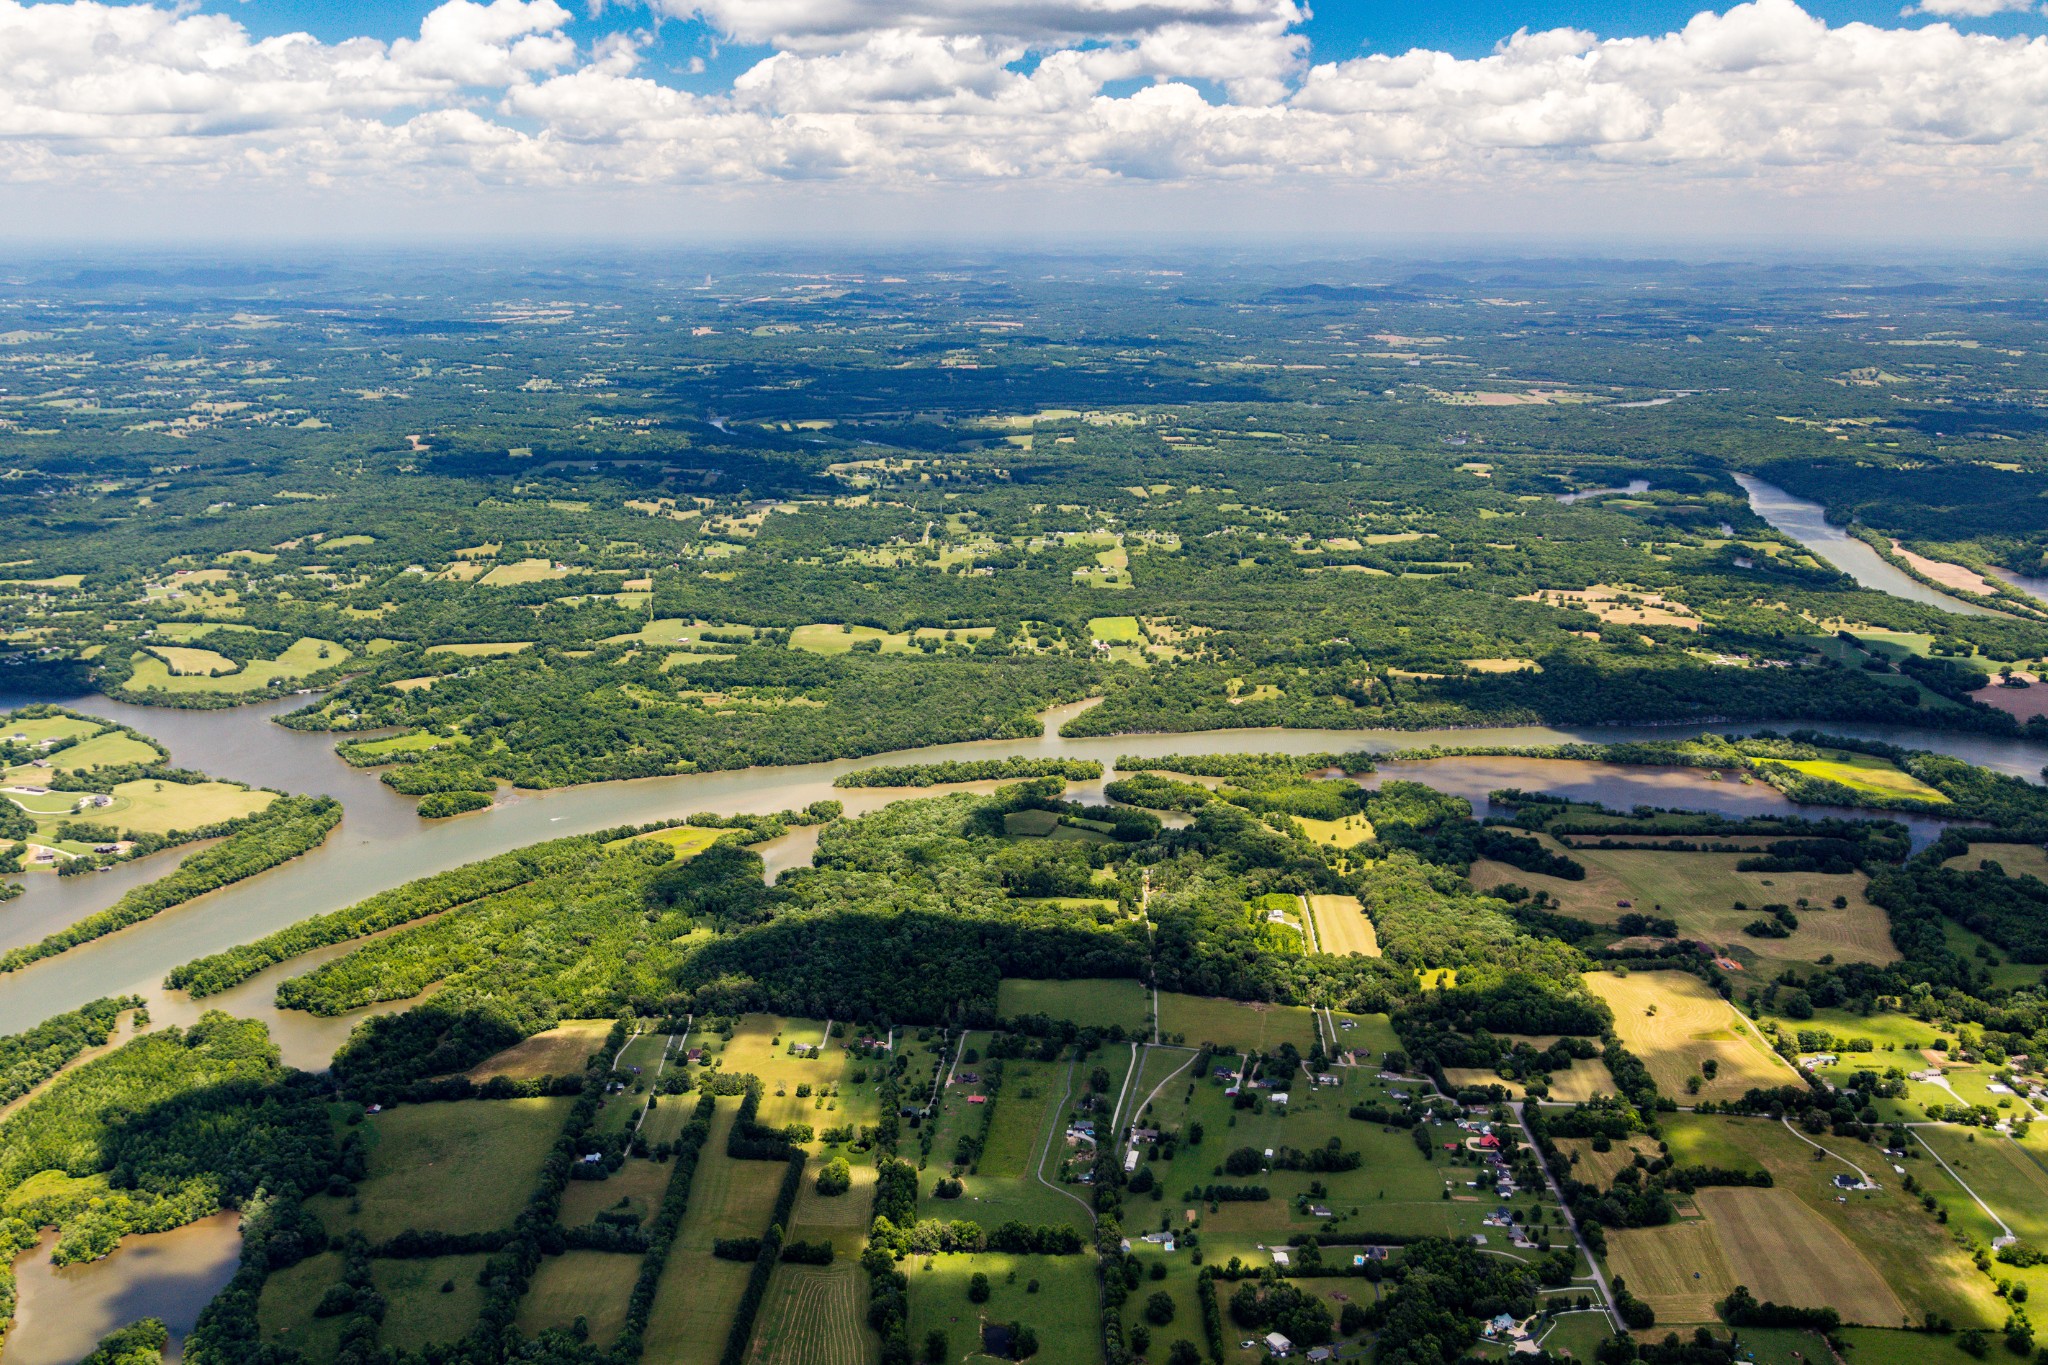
point(1831, 120)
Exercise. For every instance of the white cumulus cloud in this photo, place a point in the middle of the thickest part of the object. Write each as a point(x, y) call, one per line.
point(1969, 9)
point(919, 92)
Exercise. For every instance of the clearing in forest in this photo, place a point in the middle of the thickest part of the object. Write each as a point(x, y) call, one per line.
point(560, 1051)
point(1676, 1024)
point(1342, 925)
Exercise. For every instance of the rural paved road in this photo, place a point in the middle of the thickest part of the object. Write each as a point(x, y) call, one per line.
point(1599, 1275)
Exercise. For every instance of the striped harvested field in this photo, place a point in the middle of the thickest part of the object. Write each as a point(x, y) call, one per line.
point(1681, 1269)
point(1342, 926)
point(813, 1315)
point(1787, 1253)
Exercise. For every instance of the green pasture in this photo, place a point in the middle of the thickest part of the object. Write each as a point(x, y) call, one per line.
point(1096, 1002)
point(1062, 1310)
point(464, 1166)
point(420, 1312)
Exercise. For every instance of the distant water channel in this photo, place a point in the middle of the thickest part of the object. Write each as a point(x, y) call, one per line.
point(1634, 486)
point(1807, 523)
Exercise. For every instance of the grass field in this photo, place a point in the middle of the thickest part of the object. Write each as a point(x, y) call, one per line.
point(1674, 1023)
point(814, 1315)
point(693, 1308)
point(560, 1051)
point(1700, 890)
point(2018, 860)
point(305, 656)
point(482, 651)
point(1784, 1251)
point(1342, 925)
point(1352, 829)
point(686, 840)
point(1881, 1233)
point(1576, 1335)
point(1601, 1167)
point(1030, 1096)
point(589, 1284)
point(2001, 1173)
point(1587, 1078)
point(49, 727)
point(1200, 1019)
point(186, 659)
point(694, 1304)
point(285, 1312)
point(640, 1183)
point(1881, 1346)
point(1679, 1269)
point(1096, 1001)
point(412, 742)
point(835, 639)
point(754, 1048)
point(419, 1313)
point(1062, 1310)
point(1862, 773)
point(466, 1166)
point(159, 807)
point(1116, 630)
point(109, 749)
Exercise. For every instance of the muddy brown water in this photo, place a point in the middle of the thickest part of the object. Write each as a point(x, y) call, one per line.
point(63, 1311)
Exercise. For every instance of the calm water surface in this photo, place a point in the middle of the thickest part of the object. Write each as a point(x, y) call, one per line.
point(64, 1312)
point(1807, 523)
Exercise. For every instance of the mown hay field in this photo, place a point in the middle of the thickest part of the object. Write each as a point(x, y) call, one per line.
point(1675, 1023)
point(560, 1051)
point(1587, 1078)
point(814, 1315)
point(1342, 925)
point(1680, 1269)
point(1786, 1253)
point(1700, 892)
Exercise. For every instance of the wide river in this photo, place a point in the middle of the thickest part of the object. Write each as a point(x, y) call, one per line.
point(1807, 523)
